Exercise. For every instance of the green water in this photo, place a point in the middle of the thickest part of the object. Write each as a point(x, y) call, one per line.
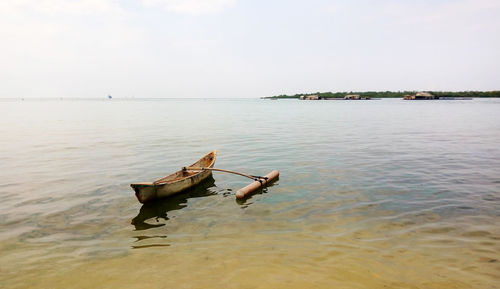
point(372, 194)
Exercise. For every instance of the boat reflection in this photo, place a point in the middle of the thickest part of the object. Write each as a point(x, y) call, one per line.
point(155, 214)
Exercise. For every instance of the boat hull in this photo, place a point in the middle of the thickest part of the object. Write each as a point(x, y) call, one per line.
point(175, 183)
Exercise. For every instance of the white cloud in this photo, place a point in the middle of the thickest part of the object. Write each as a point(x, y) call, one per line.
point(191, 7)
point(446, 11)
point(91, 47)
point(65, 47)
point(60, 6)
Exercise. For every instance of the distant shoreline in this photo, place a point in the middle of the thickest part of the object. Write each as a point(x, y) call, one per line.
point(390, 94)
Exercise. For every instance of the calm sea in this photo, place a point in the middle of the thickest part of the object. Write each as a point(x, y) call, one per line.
point(372, 194)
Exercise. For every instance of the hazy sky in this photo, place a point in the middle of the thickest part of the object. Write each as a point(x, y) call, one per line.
point(245, 48)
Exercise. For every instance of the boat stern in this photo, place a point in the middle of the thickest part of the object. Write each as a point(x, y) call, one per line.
point(144, 191)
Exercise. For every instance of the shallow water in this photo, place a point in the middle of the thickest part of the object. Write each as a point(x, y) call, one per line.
point(372, 194)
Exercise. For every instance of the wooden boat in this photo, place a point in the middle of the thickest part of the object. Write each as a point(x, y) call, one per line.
point(176, 182)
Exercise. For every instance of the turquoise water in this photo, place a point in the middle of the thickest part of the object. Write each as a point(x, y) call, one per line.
point(379, 193)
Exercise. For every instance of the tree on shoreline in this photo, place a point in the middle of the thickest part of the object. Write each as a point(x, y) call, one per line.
point(392, 94)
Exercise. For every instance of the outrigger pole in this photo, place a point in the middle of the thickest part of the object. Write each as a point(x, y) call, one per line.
point(259, 181)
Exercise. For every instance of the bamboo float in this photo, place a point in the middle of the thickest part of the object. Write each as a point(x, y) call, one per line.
point(246, 191)
point(251, 188)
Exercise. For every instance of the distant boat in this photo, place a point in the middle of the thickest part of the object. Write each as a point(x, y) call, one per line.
point(110, 97)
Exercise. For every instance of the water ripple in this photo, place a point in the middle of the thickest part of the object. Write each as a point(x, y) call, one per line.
point(366, 189)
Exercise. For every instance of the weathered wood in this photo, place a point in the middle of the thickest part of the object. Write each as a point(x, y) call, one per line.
point(251, 188)
point(176, 182)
